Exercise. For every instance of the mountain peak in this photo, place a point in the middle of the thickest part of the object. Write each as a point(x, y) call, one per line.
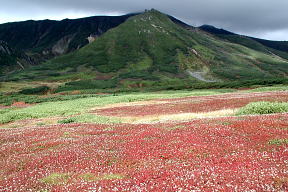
point(152, 13)
point(152, 10)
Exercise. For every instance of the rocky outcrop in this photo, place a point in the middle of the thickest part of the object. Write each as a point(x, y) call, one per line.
point(4, 48)
point(62, 46)
point(200, 75)
point(12, 59)
point(91, 38)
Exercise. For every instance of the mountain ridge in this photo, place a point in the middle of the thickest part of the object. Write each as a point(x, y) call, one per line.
point(40, 36)
point(279, 48)
point(153, 47)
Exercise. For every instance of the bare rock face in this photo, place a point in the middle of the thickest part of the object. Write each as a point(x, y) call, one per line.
point(4, 48)
point(61, 47)
point(12, 59)
point(91, 38)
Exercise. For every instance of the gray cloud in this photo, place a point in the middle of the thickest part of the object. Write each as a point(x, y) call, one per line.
point(267, 19)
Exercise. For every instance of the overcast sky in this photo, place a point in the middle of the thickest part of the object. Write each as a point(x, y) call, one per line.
point(260, 18)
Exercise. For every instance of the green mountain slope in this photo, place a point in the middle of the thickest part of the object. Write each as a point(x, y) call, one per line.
point(151, 47)
point(277, 45)
point(279, 48)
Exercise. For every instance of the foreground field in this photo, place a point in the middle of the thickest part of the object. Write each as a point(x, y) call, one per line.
point(164, 144)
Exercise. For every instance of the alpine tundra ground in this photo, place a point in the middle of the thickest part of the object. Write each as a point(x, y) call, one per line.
point(185, 141)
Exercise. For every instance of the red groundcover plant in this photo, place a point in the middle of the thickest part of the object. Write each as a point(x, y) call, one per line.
point(195, 104)
point(222, 154)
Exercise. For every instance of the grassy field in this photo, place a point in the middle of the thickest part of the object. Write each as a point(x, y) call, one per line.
point(73, 105)
point(76, 108)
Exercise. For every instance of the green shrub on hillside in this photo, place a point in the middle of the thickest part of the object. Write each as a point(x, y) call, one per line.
point(90, 118)
point(145, 75)
point(88, 84)
point(66, 121)
point(263, 107)
point(35, 91)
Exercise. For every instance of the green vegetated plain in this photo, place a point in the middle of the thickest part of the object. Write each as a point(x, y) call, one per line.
point(75, 104)
point(76, 108)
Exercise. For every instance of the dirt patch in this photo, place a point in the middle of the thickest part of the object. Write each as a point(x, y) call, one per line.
point(137, 103)
point(20, 104)
point(31, 123)
point(177, 117)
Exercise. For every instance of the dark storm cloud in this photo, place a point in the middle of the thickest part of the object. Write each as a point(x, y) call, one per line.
point(255, 17)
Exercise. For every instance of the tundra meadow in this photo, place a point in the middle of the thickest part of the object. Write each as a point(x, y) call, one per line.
point(206, 140)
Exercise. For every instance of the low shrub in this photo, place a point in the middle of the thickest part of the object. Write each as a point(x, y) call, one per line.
point(88, 84)
point(35, 91)
point(66, 121)
point(145, 75)
point(263, 107)
point(278, 141)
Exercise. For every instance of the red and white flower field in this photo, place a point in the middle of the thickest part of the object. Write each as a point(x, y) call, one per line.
point(189, 143)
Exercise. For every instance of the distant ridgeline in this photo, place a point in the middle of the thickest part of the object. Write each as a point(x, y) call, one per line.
point(47, 36)
point(136, 50)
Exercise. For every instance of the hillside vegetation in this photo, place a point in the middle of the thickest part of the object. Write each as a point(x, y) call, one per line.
point(279, 48)
point(150, 47)
point(156, 50)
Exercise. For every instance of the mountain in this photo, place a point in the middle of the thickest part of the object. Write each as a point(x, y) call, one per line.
point(47, 38)
point(151, 47)
point(12, 59)
point(216, 31)
point(279, 48)
point(155, 49)
point(275, 45)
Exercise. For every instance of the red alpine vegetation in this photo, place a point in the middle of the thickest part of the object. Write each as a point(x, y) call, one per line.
point(195, 104)
point(20, 104)
point(225, 154)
